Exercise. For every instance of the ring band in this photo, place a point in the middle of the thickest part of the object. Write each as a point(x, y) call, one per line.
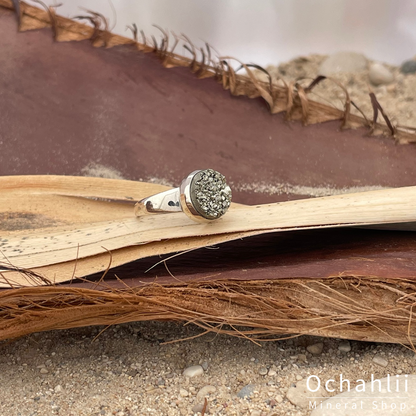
point(203, 195)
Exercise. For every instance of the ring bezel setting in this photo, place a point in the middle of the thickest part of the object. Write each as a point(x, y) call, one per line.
point(203, 196)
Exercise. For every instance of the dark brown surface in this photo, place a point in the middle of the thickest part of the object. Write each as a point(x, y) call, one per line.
point(310, 254)
point(67, 105)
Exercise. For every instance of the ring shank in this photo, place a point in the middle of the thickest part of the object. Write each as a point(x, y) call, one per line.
point(167, 201)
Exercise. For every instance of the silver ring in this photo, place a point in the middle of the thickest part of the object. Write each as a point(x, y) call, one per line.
point(203, 196)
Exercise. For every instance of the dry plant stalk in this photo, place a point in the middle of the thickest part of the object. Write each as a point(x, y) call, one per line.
point(349, 307)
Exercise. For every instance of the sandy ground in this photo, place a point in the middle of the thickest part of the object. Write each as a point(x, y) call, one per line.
point(398, 98)
point(131, 370)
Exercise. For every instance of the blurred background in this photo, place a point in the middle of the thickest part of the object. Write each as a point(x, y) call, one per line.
point(270, 31)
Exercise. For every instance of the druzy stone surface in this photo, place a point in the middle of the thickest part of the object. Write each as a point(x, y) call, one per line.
point(210, 194)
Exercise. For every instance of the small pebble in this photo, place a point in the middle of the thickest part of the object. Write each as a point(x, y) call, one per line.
point(204, 391)
point(246, 391)
point(44, 371)
point(302, 358)
point(263, 371)
point(279, 398)
point(58, 389)
point(204, 365)
point(300, 395)
point(199, 407)
point(380, 74)
point(315, 349)
point(183, 393)
point(344, 346)
point(343, 62)
point(193, 371)
point(379, 360)
point(299, 377)
point(408, 67)
point(272, 372)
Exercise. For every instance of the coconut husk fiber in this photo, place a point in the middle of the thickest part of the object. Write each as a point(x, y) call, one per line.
point(142, 114)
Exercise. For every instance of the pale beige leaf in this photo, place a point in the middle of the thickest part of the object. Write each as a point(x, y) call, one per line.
point(69, 219)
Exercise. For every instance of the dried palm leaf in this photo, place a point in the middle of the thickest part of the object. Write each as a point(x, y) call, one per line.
point(341, 282)
point(71, 219)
